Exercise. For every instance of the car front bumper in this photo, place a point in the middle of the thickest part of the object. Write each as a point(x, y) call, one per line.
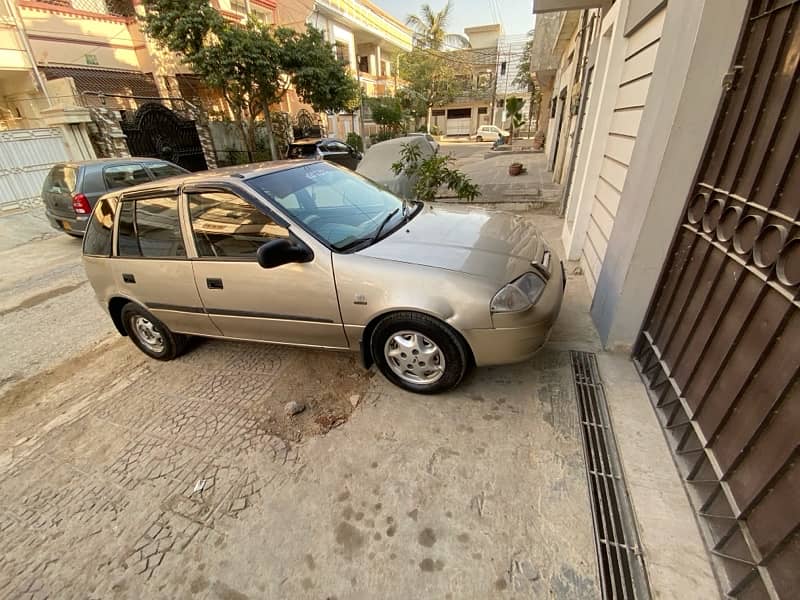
point(517, 337)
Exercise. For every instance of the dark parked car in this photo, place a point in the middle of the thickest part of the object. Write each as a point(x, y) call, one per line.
point(326, 149)
point(71, 190)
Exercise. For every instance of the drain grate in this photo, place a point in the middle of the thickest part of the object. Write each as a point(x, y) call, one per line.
point(622, 570)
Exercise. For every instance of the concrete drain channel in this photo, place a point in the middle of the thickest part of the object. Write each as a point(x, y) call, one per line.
point(620, 563)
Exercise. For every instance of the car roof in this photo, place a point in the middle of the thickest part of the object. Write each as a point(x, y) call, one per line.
point(109, 161)
point(304, 141)
point(226, 174)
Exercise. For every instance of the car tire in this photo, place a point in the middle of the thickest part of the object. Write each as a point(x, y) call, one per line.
point(150, 335)
point(423, 337)
point(479, 138)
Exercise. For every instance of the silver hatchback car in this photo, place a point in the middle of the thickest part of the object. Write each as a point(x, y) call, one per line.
point(310, 254)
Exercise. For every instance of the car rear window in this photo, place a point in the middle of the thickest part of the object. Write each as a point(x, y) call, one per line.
point(97, 239)
point(150, 228)
point(61, 179)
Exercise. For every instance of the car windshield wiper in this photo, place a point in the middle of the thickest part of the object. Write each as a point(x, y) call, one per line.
point(386, 219)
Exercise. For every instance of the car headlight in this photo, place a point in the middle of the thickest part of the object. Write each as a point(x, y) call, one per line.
point(520, 294)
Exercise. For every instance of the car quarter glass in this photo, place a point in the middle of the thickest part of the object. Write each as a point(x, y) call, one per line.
point(227, 226)
point(97, 241)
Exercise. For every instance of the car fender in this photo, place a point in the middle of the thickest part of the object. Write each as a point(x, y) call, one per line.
point(369, 288)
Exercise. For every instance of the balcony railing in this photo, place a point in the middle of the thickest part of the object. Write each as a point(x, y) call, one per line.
point(111, 8)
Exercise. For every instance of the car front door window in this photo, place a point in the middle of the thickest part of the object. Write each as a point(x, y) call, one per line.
point(226, 226)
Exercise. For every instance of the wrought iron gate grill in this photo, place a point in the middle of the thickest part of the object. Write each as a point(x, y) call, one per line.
point(720, 347)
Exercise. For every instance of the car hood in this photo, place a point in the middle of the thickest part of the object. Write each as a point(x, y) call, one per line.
point(494, 245)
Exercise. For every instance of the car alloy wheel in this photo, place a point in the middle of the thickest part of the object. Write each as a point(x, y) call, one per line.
point(147, 334)
point(414, 357)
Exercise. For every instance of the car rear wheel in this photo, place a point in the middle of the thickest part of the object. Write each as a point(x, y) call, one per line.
point(479, 138)
point(419, 353)
point(150, 335)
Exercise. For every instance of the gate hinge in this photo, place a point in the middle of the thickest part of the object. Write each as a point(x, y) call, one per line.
point(730, 78)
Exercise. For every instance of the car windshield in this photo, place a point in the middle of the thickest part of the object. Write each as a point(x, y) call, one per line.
point(342, 208)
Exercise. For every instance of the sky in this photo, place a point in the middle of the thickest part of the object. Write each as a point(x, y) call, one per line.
point(516, 15)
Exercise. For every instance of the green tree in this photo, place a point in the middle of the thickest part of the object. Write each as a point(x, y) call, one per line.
point(388, 113)
point(430, 28)
point(432, 81)
point(433, 172)
point(524, 78)
point(253, 65)
point(514, 107)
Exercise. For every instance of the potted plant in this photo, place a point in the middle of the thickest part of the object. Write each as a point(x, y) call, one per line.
point(515, 169)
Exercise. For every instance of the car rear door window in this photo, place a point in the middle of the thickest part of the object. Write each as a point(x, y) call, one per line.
point(227, 226)
point(161, 170)
point(150, 228)
point(97, 240)
point(121, 176)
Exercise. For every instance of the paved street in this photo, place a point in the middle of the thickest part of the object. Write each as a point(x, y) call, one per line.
point(533, 188)
point(126, 477)
point(48, 313)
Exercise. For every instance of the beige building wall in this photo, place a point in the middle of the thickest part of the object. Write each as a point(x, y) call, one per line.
point(616, 100)
point(66, 37)
point(631, 100)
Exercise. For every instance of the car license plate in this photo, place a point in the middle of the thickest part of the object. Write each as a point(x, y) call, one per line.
point(66, 226)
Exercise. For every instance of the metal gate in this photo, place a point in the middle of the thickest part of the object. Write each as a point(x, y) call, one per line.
point(26, 156)
point(720, 347)
point(156, 131)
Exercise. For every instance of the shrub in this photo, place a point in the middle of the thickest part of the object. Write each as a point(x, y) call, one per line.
point(381, 136)
point(354, 140)
point(432, 173)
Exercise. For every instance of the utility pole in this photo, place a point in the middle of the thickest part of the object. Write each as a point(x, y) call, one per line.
point(11, 9)
point(360, 104)
point(494, 79)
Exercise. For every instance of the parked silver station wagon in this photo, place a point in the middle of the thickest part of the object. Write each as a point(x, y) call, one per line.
point(310, 254)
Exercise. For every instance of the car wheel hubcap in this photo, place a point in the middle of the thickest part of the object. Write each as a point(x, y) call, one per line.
point(147, 334)
point(414, 358)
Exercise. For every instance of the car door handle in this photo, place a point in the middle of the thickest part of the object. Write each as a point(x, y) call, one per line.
point(214, 283)
point(128, 278)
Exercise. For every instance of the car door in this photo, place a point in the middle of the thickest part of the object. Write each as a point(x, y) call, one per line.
point(294, 303)
point(151, 265)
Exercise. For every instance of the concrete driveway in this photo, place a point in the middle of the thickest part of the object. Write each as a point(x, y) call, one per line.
point(125, 477)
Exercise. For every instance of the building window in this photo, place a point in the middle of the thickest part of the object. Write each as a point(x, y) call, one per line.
point(503, 68)
point(342, 52)
point(262, 14)
point(482, 110)
point(363, 64)
point(256, 11)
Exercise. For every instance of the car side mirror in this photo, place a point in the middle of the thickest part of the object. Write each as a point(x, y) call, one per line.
point(282, 251)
